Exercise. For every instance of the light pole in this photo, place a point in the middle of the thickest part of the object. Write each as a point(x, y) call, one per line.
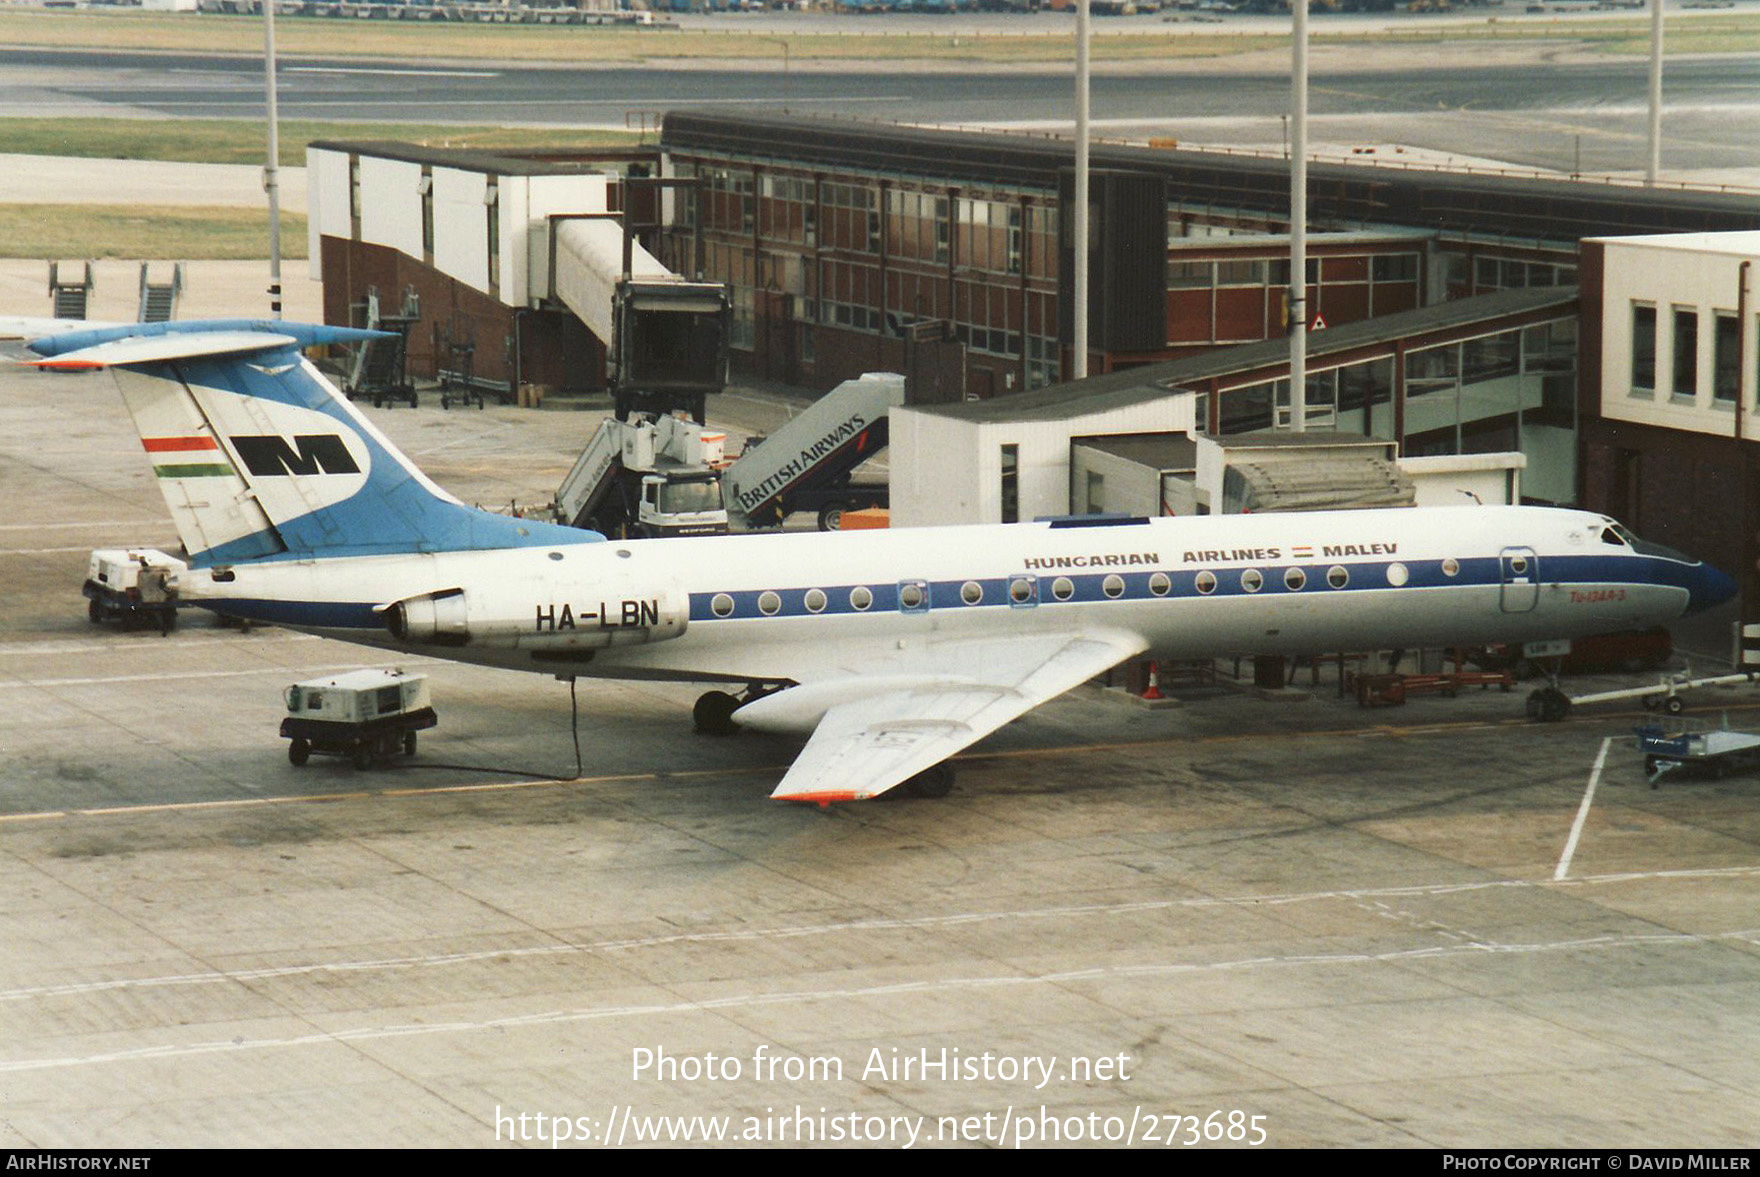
point(1298, 221)
point(272, 170)
point(1079, 231)
point(1654, 167)
point(785, 72)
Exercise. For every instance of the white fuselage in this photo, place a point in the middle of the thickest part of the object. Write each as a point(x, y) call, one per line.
point(797, 607)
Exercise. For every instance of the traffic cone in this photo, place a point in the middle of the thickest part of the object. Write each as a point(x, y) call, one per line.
point(1154, 691)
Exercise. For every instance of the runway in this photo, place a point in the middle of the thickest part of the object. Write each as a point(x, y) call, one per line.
point(1567, 117)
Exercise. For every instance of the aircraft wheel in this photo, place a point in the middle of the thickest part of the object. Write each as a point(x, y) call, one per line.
point(1651, 702)
point(1674, 705)
point(1558, 705)
point(1548, 705)
point(299, 751)
point(1534, 706)
point(932, 783)
point(713, 714)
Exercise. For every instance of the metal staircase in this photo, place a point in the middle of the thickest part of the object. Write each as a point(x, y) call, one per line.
point(159, 300)
point(70, 299)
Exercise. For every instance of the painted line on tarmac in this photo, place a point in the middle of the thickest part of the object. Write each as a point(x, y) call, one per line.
point(1570, 846)
point(149, 643)
point(535, 782)
point(162, 676)
point(158, 544)
point(542, 782)
point(391, 73)
point(873, 926)
point(117, 525)
point(842, 997)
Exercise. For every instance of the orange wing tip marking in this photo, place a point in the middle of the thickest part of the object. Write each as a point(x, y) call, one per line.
point(823, 799)
point(58, 365)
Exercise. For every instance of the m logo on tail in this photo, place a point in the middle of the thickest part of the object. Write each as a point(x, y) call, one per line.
point(270, 455)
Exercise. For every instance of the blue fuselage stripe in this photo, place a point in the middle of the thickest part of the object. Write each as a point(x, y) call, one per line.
point(1139, 585)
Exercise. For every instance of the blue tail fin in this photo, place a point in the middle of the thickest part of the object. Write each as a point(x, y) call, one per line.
point(260, 458)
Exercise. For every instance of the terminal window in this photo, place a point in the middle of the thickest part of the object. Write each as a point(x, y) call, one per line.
point(1643, 349)
point(1686, 353)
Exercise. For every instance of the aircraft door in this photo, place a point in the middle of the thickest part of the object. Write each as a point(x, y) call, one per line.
point(1519, 570)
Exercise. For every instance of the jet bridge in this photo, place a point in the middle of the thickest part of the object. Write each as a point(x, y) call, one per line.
point(667, 338)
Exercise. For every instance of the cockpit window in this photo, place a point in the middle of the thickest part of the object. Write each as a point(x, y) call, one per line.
point(1619, 534)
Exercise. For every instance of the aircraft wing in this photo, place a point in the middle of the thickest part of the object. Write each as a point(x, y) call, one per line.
point(870, 743)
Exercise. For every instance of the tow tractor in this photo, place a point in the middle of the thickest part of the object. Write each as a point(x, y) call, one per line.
point(367, 716)
point(130, 585)
point(1551, 705)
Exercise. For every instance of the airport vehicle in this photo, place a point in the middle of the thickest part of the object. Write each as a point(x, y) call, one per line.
point(1550, 704)
point(895, 649)
point(366, 715)
point(666, 475)
point(130, 586)
point(647, 478)
point(1714, 753)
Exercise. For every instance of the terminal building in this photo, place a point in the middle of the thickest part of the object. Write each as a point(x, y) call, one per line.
point(1603, 334)
point(1670, 437)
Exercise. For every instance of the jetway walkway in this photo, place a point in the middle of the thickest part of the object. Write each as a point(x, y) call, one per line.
point(667, 337)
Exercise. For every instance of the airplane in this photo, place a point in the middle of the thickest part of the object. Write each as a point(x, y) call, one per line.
point(892, 650)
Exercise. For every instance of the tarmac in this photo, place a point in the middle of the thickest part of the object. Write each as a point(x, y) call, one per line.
point(1222, 921)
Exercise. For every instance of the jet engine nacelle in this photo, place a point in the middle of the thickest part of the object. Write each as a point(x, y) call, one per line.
point(542, 616)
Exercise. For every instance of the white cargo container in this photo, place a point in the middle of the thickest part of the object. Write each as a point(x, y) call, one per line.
point(365, 715)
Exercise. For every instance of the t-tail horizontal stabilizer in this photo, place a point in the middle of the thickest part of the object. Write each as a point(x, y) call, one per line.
point(260, 458)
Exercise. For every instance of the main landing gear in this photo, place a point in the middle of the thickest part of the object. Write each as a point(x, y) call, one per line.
point(930, 784)
point(713, 714)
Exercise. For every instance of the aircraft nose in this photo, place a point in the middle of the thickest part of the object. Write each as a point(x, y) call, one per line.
point(1708, 588)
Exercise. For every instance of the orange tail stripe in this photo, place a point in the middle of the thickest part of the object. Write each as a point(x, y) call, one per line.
point(162, 445)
